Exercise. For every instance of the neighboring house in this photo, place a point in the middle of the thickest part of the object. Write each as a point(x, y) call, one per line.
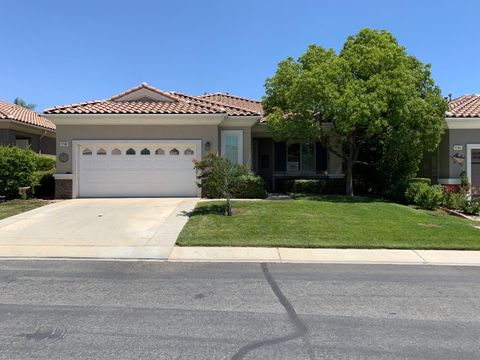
point(459, 149)
point(25, 128)
point(142, 143)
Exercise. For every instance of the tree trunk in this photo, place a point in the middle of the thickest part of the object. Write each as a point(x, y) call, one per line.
point(229, 205)
point(349, 176)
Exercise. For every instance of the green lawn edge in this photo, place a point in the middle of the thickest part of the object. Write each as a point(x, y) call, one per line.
point(328, 222)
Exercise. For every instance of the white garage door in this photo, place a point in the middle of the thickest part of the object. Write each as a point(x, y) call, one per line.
point(137, 169)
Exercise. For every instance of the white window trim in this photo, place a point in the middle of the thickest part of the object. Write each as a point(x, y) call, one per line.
point(470, 147)
point(239, 134)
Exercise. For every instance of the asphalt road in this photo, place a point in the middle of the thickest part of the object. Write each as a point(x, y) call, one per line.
point(146, 310)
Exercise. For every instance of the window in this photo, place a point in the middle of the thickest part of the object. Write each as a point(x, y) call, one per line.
point(145, 152)
point(232, 145)
point(159, 151)
point(87, 151)
point(101, 151)
point(22, 143)
point(116, 152)
point(130, 152)
point(174, 152)
point(301, 157)
point(188, 152)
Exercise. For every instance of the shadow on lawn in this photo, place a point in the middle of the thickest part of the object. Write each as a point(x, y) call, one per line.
point(211, 209)
point(338, 198)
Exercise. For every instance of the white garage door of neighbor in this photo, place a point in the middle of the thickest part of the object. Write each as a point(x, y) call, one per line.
point(137, 169)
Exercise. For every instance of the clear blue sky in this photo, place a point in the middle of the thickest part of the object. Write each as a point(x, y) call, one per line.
point(57, 52)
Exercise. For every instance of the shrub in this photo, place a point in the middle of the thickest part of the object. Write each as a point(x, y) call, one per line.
point(413, 189)
point(464, 183)
point(219, 177)
point(250, 186)
point(471, 207)
point(313, 186)
point(455, 200)
point(426, 181)
point(429, 197)
point(404, 190)
point(17, 169)
point(45, 187)
point(45, 163)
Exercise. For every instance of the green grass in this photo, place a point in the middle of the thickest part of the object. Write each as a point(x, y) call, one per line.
point(336, 222)
point(15, 207)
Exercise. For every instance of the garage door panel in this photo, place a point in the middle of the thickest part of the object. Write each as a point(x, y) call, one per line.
point(156, 173)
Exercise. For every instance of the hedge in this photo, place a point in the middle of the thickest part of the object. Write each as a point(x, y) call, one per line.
point(17, 169)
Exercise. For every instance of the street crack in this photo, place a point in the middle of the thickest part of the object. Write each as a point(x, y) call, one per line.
point(301, 330)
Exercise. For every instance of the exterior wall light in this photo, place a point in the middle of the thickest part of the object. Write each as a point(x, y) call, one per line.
point(207, 146)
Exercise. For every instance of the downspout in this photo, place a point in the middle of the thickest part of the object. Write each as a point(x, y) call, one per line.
point(40, 141)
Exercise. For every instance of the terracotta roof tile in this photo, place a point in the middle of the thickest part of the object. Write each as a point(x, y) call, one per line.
point(464, 106)
point(175, 103)
point(231, 110)
point(133, 107)
point(18, 113)
point(236, 101)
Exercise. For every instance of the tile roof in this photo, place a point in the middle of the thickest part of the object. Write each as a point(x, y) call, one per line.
point(235, 101)
point(18, 113)
point(231, 110)
point(133, 107)
point(464, 106)
point(170, 103)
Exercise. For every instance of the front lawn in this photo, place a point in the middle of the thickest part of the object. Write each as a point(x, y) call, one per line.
point(334, 222)
point(15, 207)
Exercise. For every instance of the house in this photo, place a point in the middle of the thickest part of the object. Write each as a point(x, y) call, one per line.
point(25, 128)
point(142, 143)
point(459, 149)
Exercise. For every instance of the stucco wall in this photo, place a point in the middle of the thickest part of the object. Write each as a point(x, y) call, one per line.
point(460, 137)
point(67, 133)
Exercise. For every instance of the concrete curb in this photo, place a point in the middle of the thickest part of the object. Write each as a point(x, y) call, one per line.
point(327, 256)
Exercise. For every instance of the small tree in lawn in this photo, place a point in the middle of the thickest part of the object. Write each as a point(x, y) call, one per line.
point(220, 176)
point(371, 94)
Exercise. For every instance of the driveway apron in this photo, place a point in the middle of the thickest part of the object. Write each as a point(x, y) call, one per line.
point(130, 228)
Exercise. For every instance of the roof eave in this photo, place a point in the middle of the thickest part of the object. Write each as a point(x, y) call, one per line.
point(136, 119)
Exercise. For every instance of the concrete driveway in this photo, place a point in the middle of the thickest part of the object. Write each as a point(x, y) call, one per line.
point(97, 228)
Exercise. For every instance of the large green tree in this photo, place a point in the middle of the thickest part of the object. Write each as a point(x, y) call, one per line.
point(371, 94)
point(23, 103)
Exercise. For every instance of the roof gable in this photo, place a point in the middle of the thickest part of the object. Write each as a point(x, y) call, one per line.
point(143, 93)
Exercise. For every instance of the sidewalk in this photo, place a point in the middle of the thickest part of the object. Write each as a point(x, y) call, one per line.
point(351, 256)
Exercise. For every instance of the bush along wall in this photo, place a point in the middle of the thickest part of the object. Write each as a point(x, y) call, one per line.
point(315, 186)
point(421, 193)
point(25, 168)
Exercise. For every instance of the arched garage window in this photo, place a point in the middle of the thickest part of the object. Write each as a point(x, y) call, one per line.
point(159, 151)
point(116, 152)
point(174, 152)
point(101, 151)
point(87, 151)
point(130, 152)
point(145, 152)
point(188, 152)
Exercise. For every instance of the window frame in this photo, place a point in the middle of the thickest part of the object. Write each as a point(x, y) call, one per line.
point(300, 162)
point(24, 141)
point(223, 138)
